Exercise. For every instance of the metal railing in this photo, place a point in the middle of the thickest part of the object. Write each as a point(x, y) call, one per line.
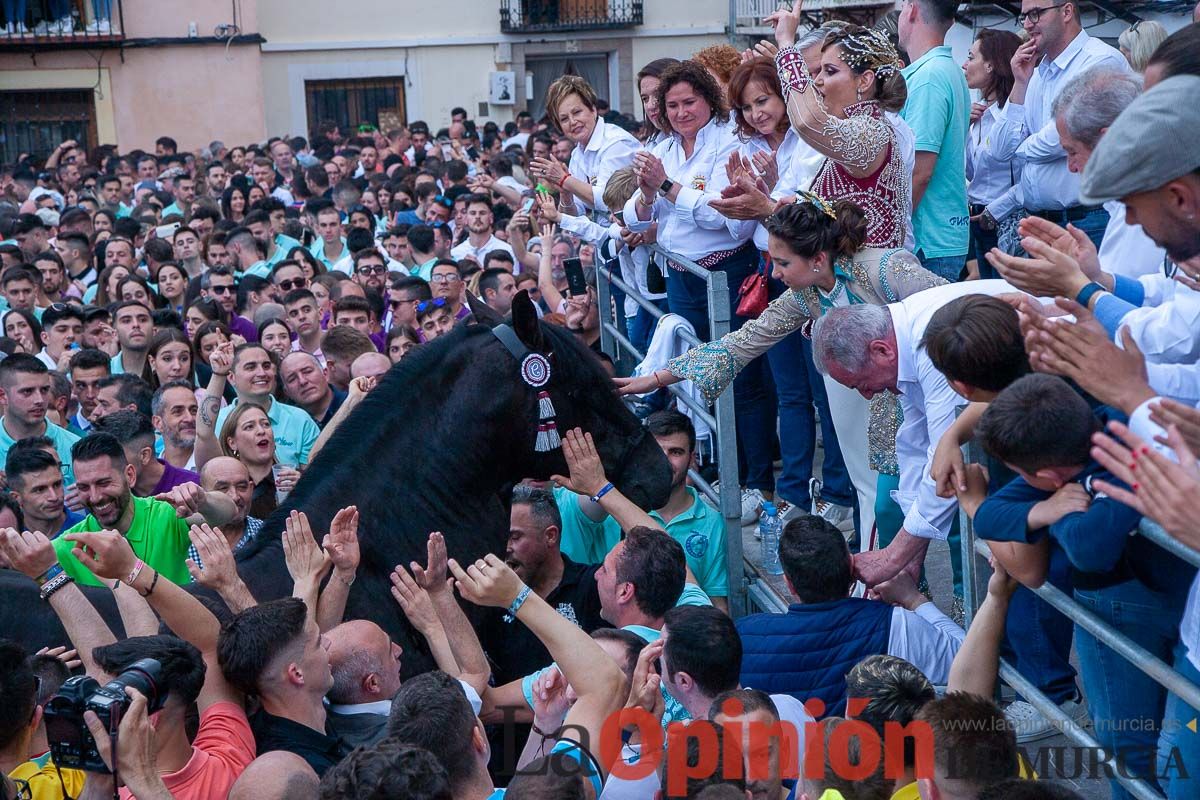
point(527, 16)
point(84, 27)
point(1158, 671)
point(616, 344)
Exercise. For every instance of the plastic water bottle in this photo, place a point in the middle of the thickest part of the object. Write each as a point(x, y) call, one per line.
point(769, 529)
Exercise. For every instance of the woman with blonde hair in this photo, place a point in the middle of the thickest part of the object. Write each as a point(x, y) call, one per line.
point(1139, 41)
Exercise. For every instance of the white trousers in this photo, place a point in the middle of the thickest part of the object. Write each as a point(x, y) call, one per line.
point(851, 414)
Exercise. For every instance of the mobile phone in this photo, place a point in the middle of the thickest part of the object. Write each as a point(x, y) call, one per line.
point(527, 205)
point(472, 152)
point(166, 231)
point(576, 285)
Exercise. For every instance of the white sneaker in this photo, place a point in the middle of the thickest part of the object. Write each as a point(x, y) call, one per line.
point(1030, 725)
point(840, 517)
point(752, 501)
point(6, 29)
point(99, 26)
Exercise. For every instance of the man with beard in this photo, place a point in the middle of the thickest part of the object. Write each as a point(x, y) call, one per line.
point(134, 325)
point(156, 527)
point(370, 271)
point(25, 391)
point(307, 386)
point(261, 222)
point(534, 532)
point(152, 476)
point(480, 240)
point(174, 406)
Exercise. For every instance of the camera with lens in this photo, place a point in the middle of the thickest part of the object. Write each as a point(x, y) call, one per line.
point(71, 743)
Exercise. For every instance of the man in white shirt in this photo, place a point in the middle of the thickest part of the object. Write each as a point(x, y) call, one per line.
point(480, 240)
point(1058, 49)
point(872, 349)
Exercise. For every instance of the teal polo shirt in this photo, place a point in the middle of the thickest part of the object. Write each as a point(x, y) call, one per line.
point(700, 530)
point(294, 430)
point(939, 111)
point(172, 209)
point(283, 246)
point(62, 438)
point(318, 251)
point(425, 271)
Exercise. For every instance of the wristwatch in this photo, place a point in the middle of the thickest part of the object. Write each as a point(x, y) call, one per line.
point(666, 186)
point(1087, 292)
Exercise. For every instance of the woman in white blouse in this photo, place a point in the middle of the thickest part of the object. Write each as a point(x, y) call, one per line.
point(600, 148)
point(994, 192)
point(677, 180)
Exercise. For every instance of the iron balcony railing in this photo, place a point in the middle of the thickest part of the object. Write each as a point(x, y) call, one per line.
point(48, 25)
point(544, 16)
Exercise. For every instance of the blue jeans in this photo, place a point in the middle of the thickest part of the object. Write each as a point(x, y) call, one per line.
point(1037, 638)
point(1093, 224)
point(798, 387)
point(102, 8)
point(640, 327)
point(1126, 704)
point(948, 267)
point(982, 242)
point(754, 400)
point(14, 11)
point(1179, 745)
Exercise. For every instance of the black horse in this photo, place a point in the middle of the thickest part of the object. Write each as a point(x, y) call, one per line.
point(437, 445)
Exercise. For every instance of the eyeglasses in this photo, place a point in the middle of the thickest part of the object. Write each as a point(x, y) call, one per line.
point(449, 277)
point(1034, 15)
point(294, 283)
point(224, 289)
point(371, 269)
point(425, 305)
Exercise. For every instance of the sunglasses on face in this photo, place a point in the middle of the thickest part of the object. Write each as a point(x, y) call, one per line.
point(223, 289)
point(294, 283)
point(372, 269)
point(396, 304)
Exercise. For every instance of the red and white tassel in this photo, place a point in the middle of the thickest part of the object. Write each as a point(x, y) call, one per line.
point(545, 406)
point(547, 438)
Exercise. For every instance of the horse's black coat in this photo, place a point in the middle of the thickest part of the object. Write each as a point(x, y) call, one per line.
point(436, 446)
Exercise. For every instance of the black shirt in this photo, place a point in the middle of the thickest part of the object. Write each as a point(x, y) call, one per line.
point(320, 750)
point(513, 649)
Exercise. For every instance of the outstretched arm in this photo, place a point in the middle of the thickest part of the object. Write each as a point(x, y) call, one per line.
point(978, 659)
point(359, 387)
point(464, 644)
point(207, 446)
point(341, 548)
point(32, 554)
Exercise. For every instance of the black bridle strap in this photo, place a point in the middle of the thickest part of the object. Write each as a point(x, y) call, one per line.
point(508, 337)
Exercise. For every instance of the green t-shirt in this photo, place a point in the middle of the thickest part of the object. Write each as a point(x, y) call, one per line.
point(700, 530)
point(939, 111)
point(157, 535)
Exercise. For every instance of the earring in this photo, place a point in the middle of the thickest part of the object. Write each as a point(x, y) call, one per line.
point(816, 269)
point(858, 95)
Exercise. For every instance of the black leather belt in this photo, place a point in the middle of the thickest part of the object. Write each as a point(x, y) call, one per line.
point(1072, 214)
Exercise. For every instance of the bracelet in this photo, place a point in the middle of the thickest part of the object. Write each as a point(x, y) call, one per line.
point(605, 489)
point(657, 380)
point(563, 182)
point(153, 583)
point(1086, 293)
point(50, 574)
point(54, 584)
point(540, 732)
point(519, 601)
point(137, 570)
point(643, 201)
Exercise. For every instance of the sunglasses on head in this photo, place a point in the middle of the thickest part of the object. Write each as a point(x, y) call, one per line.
point(442, 200)
point(425, 305)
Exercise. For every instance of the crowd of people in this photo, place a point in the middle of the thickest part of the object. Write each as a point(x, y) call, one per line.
point(909, 271)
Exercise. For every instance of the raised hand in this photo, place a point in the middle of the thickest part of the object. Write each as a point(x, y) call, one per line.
point(68, 656)
point(414, 601)
point(433, 577)
point(1024, 62)
point(766, 166)
point(785, 22)
point(106, 553)
point(583, 463)
point(219, 569)
point(186, 497)
point(644, 690)
point(551, 700)
point(1186, 420)
point(341, 543)
point(1069, 240)
point(29, 552)
point(306, 562)
point(221, 359)
point(487, 582)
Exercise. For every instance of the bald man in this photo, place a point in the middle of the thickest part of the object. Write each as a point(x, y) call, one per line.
point(370, 365)
point(231, 478)
point(277, 775)
point(366, 676)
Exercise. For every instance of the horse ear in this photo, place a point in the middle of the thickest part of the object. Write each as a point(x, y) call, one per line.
point(525, 321)
point(483, 313)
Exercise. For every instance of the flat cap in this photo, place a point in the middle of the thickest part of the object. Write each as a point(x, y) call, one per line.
point(1151, 143)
